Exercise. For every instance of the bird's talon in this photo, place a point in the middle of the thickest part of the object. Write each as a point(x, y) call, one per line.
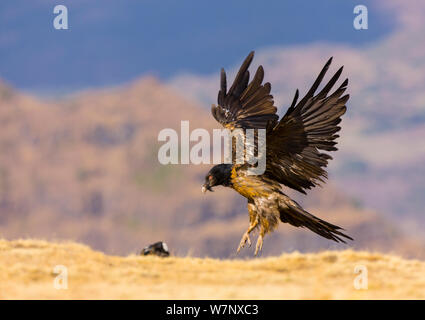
point(244, 240)
point(259, 245)
point(249, 241)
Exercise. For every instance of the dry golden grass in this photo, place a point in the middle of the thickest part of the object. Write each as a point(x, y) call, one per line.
point(26, 272)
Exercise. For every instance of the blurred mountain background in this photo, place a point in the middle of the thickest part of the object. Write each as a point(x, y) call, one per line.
point(81, 109)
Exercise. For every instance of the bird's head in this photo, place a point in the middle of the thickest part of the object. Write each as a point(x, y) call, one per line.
point(218, 175)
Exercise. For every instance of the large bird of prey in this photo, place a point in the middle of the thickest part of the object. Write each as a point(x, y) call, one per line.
point(294, 149)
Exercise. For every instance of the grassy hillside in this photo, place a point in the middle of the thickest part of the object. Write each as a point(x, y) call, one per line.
point(27, 271)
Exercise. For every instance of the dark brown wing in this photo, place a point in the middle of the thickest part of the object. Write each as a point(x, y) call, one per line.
point(247, 105)
point(293, 145)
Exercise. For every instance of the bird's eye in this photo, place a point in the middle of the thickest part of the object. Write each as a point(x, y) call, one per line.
point(210, 178)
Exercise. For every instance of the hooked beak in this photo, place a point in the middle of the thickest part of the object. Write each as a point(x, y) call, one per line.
point(206, 187)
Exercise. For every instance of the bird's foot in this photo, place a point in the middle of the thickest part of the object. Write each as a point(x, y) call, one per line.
point(244, 240)
point(259, 245)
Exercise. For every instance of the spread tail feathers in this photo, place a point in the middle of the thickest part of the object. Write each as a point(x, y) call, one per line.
point(292, 213)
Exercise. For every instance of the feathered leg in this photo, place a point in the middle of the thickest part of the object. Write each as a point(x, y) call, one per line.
point(259, 245)
point(245, 237)
point(253, 219)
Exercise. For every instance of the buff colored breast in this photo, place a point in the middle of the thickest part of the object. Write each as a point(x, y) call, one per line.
point(249, 186)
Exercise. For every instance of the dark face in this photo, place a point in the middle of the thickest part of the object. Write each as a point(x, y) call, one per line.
point(218, 175)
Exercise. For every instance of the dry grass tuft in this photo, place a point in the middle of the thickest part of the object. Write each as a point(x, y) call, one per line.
point(26, 272)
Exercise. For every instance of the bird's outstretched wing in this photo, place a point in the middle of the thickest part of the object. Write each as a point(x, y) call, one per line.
point(294, 143)
point(247, 105)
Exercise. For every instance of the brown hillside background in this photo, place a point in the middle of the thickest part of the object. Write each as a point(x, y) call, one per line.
point(85, 168)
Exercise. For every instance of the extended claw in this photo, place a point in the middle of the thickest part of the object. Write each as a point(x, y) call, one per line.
point(259, 245)
point(244, 240)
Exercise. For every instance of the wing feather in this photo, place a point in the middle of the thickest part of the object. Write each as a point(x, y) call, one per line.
point(294, 145)
point(247, 104)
